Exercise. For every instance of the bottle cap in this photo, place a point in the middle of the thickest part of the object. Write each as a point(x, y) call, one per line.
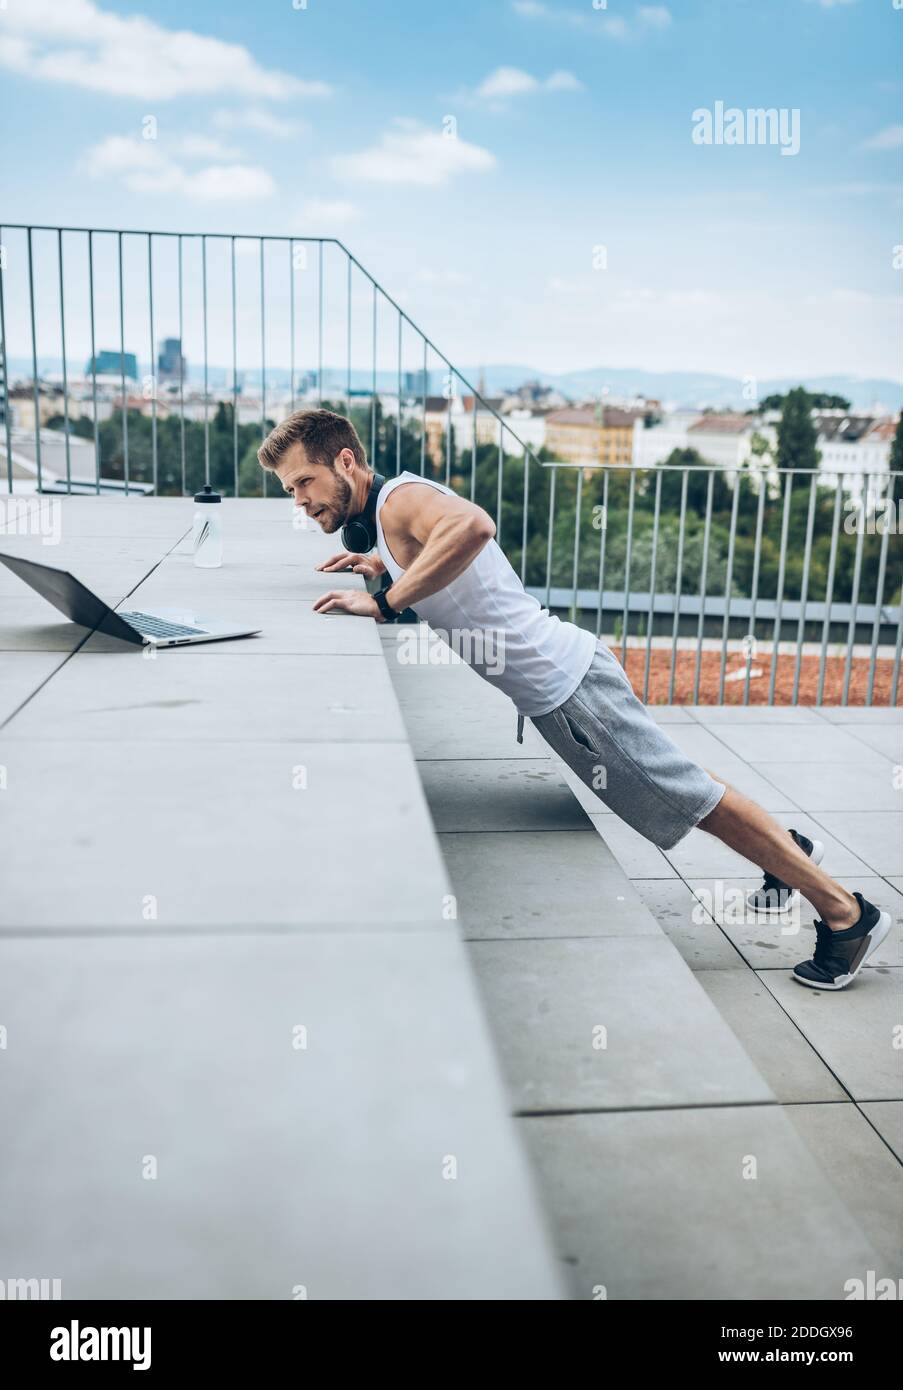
point(208, 495)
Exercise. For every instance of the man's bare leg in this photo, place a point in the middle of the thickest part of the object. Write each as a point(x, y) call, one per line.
point(752, 832)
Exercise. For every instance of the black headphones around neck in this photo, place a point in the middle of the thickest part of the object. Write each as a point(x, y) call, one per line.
point(359, 532)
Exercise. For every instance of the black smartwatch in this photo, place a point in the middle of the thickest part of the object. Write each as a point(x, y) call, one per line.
point(382, 603)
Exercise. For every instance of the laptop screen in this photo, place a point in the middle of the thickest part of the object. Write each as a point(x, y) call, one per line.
point(70, 596)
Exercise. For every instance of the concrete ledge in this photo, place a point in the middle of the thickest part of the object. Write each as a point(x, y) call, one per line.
point(245, 1051)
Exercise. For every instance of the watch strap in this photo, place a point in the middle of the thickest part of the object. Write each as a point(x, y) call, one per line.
point(389, 613)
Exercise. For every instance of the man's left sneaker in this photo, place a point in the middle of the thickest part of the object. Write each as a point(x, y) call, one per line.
point(840, 955)
point(776, 896)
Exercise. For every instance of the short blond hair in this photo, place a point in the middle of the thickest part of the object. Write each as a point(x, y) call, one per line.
point(323, 433)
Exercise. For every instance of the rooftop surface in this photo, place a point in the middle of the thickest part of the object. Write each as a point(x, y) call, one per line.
point(313, 979)
point(730, 1133)
point(244, 1051)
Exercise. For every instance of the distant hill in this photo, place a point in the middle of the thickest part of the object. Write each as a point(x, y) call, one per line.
point(687, 388)
point(672, 388)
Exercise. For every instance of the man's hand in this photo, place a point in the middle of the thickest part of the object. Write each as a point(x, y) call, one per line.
point(370, 566)
point(349, 601)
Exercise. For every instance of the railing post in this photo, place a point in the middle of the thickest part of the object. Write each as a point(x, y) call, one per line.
point(59, 245)
point(263, 357)
point(234, 366)
point(854, 597)
point(703, 580)
point(206, 358)
point(576, 569)
point(153, 361)
point(182, 368)
point(125, 402)
point(652, 576)
point(551, 534)
point(754, 594)
point(603, 541)
point(879, 601)
point(829, 589)
point(678, 580)
point(34, 362)
point(6, 421)
point(93, 363)
point(631, 494)
point(728, 584)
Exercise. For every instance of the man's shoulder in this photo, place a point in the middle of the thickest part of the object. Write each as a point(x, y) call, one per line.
point(407, 490)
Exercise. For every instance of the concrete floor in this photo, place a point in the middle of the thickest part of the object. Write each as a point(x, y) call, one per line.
point(315, 983)
point(702, 1126)
point(243, 1055)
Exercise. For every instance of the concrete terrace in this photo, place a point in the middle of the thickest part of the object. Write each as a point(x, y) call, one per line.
point(244, 1052)
point(313, 979)
point(713, 1056)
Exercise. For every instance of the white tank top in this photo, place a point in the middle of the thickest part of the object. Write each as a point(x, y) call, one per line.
point(487, 617)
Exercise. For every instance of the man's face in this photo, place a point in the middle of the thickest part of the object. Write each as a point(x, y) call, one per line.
point(325, 495)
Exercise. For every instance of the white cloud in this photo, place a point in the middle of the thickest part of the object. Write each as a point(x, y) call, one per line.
point(891, 138)
point(203, 147)
point(511, 82)
point(506, 82)
point(325, 215)
point(535, 9)
point(829, 4)
point(258, 119)
point(654, 16)
point(76, 42)
point(142, 167)
point(644, 19)
point(563, 81)
point(411, 153)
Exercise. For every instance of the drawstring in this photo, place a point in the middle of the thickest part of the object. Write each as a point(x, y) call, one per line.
point(520, 728)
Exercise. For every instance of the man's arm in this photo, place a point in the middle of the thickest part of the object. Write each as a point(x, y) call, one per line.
point(448, 532)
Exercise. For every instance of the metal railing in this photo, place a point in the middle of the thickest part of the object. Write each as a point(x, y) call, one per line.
point(795, 573)
point(683, 567)
point(423, 357)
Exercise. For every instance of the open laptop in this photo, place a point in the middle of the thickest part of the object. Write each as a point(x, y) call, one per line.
point(78, 603)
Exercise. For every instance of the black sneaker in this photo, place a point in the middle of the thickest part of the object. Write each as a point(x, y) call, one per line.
point(776, 896)
point(840, 955)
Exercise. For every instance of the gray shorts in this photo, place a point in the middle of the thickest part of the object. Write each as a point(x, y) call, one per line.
point(615, 746)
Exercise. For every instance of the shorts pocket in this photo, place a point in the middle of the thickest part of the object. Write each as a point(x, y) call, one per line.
point(578, 734)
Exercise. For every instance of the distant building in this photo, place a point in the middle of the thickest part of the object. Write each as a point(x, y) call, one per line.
point(656, 445)
point(108, 363)
point(574, 435)
point(725, 438)
point(618, 430)
point(853, 443)
point(171, 365)
point(415, 383)
point(593, 435)
point(477, 420)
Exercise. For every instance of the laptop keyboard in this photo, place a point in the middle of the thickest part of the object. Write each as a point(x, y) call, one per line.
point(159, 627)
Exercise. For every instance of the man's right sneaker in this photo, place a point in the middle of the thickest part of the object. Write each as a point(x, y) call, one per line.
point(775, 896)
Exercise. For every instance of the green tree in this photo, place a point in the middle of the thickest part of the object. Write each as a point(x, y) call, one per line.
point(818, 400)
point(796, 432)
point(896, 449)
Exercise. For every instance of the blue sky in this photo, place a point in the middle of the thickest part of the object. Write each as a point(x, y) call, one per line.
point(571, 130)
